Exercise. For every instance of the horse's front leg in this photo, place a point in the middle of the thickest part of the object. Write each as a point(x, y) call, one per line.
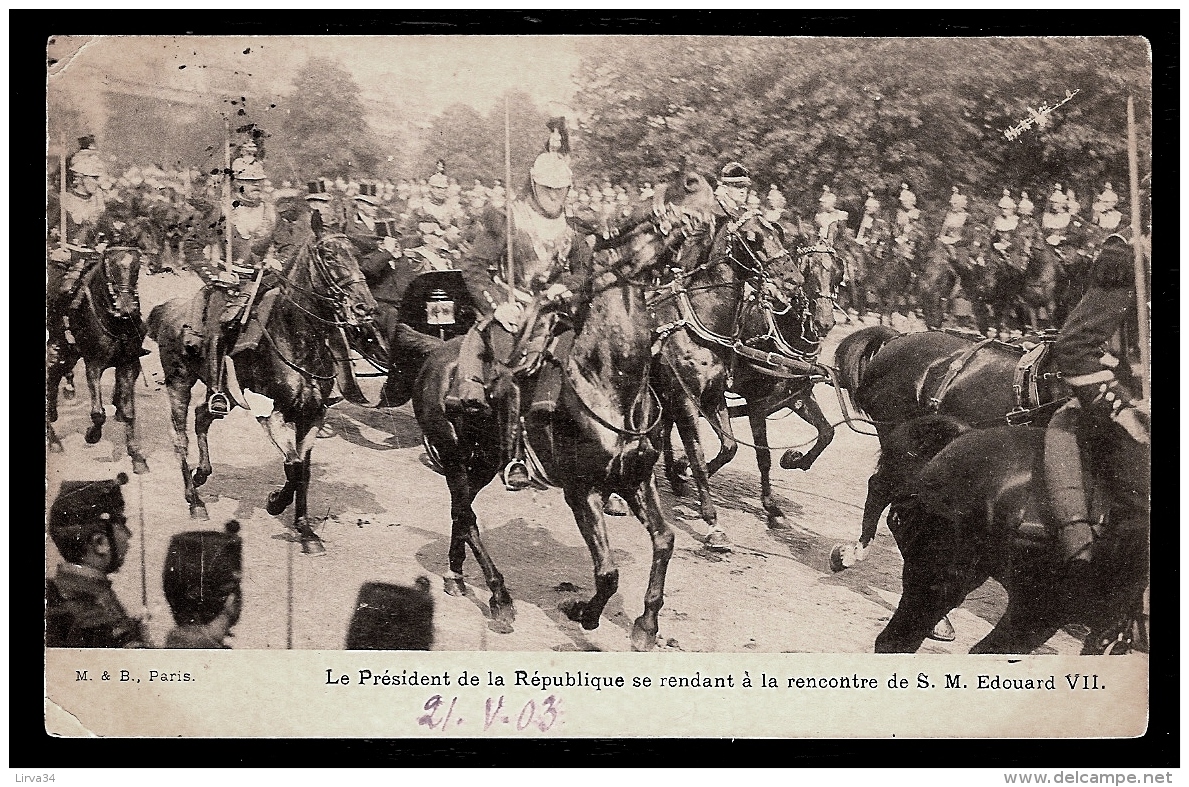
point(293, 441)
point(68, 389)
point(687, 426)
point(179, 404)
point(464, 484)
point(646, 506)
point(879, 496)
point(98, 416)
point(55, 364)
point(759, 433)
point(124, 399)
point(311, 544)
point(806, 406)
point(202, 426)
point(587, 506)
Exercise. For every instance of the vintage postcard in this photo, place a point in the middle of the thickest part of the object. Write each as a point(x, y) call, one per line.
point(486, 386)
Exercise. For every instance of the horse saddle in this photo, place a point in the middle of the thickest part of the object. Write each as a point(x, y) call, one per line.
point(536, 366)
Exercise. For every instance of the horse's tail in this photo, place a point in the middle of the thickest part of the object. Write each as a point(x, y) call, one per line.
point(856, 351)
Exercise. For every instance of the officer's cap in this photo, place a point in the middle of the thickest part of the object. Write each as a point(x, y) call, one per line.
point(202, 568)
point(82, 509)
point(735, 174)
point(392, 617)
point(551, 171)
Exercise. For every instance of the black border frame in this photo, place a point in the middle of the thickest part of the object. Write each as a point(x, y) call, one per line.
point(31, 748)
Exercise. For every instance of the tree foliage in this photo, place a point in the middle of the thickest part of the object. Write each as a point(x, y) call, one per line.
point(862, 114)
point(322, 128)
point(472, 144)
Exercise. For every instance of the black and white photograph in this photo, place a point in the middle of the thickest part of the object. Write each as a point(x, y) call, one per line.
point(659, 344)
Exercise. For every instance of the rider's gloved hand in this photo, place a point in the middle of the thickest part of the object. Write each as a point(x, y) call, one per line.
point(508, 314)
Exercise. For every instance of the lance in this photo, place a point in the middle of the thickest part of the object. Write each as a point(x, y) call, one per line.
point(227, 188)
point(1141, 289)
point(62, 195)
point(509, 272)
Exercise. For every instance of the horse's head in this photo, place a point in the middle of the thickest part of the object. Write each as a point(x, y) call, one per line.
point(336, 273)
point(823, 272)
point(121, 270)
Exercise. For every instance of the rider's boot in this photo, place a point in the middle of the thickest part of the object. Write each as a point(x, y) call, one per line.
point(1065, 484)
point(217, 401)
point(515, 475)
point(472, 395)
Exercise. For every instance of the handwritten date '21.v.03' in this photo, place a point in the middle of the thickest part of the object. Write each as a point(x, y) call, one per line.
point(446, 714)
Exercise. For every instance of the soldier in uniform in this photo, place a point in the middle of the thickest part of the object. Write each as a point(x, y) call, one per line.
point(88, 229)
point(1106, 213)
point(201, 579)
point(1113, 424)
point(733, 182)
point(438, 221)
point(550, 259)
point(88, 526)
point(230, 283)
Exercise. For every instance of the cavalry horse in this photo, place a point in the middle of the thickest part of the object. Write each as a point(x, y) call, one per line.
point(731, 318)
point(105, 322)
point(290, 371)
point(597, 440)
point(968, 505)
point(892, 378)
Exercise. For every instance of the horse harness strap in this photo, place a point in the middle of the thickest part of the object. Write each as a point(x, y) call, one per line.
point(955, 368)
point(1026, 388)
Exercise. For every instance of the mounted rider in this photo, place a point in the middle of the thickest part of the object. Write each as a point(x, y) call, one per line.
point(438, 221)
point(909, 234)
point(1107, 416)
point(231, 284)
point(88, 227)
point(550, 259)
point(1005, 230)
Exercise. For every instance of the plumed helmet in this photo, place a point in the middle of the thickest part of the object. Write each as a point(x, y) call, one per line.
point(1071, 201)
point(392, 617)
point(1058, 196)
point(87, 163)
point(1025, 207)
point(1006, 201)
point(439, 180)
point(247, 169)
point(828, 198)
point(907, 198)
point(957, 199)
point(559, 136)
point(83, 509)
point(776, 199)
point(202, 568)
point(551, 171)
point(735, 174)
point(872, 204)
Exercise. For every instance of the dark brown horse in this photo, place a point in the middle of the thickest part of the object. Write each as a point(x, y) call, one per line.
point(893, 378)
point(738, 305)
point(597, 441)
point(104, 320)
point(969, 505)
point(290, 371)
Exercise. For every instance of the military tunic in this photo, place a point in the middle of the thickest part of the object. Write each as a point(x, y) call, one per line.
point(82, 611)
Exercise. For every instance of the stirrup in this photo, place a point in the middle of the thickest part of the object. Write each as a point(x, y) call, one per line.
point(516, 484)
point(218, 404)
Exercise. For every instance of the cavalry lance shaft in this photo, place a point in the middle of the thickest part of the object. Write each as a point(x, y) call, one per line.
point(227, 188)
point(508, 273)
point(62, 196)
point(1141, 289)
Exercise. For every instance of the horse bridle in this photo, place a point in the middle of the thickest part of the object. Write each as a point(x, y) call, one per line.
point(115, 290)
point(336, 288)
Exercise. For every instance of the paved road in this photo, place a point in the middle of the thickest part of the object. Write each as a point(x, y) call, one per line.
point(387, 519)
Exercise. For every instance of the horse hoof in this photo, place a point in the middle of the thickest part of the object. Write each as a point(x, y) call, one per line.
point(643, 640)
point(312, 546)
point(454, 587)
point(93, 434)
point(573, 609)
point(139, 465)
point(199, 477)
point(839, 558)
point(277, 503)
point(943, 631)
point(793, 460)
point(198, 511)
point(615, 506)
point(717, 541)
point(503, 613)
